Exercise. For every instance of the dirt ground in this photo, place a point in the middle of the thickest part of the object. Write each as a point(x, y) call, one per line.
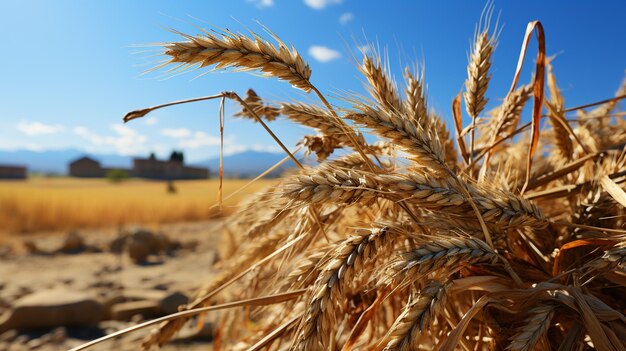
point(26, 271)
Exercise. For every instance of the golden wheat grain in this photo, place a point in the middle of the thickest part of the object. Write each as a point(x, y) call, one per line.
point(535, 327)
point(422, 146)
point(416, 317)
point(381, 86)
point(316, 328)
point(446, 254)
point(227, 49)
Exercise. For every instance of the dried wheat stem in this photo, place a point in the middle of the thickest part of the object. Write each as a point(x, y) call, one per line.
point(315, 331)
point(416, 317)
point(227, 49)
point(535, 326)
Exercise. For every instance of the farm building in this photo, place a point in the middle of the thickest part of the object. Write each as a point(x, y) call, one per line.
point(172, 169)
point(12, 172)
point(86, 167)
point(150, 168)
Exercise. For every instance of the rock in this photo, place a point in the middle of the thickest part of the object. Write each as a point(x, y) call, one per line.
point(170, 303)
point(126, 310)
point(73, 244)
point(142, 243)
point(108, 301)
point(32, 248)
point(52, 308)
point(117, 245)
point(138, 251)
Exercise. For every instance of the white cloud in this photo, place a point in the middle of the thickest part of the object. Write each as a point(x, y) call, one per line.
point(320, 4)
point(151, 121)
point(37, 128)
point(200, 139)
point(323, 54)
point(126, 141)
point(176, 132)
point(346, 17)
point(262, 3)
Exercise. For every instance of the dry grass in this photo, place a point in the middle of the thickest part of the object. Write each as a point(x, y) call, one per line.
point(407, 246)
point(41, 204)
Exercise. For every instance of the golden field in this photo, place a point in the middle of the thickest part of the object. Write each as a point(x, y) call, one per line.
point(47, 204)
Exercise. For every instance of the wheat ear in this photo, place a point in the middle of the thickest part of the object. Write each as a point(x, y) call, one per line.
point(415, 100)
point(422, 145)
point(381, 86)
point(478, 78)
point(443, 253)
point(315, 331)
point(535, 326)
point(416, 317)
point(227, 49)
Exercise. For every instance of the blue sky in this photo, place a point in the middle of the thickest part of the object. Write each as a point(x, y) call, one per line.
point(69, 69)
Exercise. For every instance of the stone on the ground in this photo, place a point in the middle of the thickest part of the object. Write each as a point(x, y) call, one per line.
point(32, 248)
point(117, 245)
point(168, 301)
point(52, 308)
point(74, 243)
point(125, 311)
point(141, 244)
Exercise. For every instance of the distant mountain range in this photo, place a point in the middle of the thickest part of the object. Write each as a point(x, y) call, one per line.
point(244, 164)
point(247, 164)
